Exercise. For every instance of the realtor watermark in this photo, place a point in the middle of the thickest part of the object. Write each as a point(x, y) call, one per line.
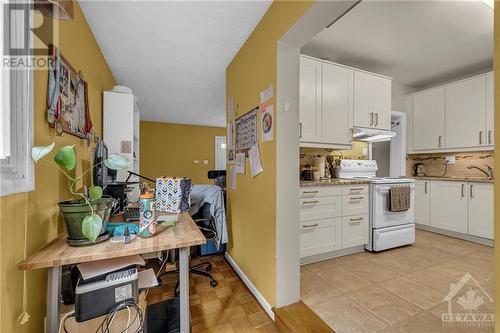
point(472, 300)
point(26, 36)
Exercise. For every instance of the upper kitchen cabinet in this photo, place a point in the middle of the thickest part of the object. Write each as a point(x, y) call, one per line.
point(310, 100)
point(428, 119)
point(372, 101)
point(490, 128)
point(465, 113)
point(336, 104)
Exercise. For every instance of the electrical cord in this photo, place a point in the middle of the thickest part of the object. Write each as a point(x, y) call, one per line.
point(108, 320)
point(63, 321)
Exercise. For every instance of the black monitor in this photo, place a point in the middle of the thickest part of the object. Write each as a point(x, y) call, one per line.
point(100, 172)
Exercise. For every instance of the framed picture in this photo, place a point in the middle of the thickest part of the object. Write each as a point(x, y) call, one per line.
point(70, 112)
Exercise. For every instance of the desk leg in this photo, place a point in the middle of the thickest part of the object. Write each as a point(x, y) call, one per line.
point(53, 294)
point(184, 288)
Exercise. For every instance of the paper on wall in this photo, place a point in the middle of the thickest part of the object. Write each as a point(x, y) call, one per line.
point(232, 178)
point(267, 123)
point(240, 163)
point(230, 134)
point(266, 94)
point(230, 107)
point(254, 158)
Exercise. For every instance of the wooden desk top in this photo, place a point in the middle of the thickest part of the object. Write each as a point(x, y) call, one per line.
point(58, 252)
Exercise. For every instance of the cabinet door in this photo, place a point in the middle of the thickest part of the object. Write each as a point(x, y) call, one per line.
point(490, 128)
point(428, 119)
point(336, 104)
point(481, 210)
point(310, 97)
point(449, 205)
point(354, 231)
point(320, 236)
point(465, 113)
point(422, 202)
point(363, 116)
point(372, 101)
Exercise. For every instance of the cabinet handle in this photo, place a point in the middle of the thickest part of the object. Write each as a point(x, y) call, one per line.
point(310, 202)
point(300, 130)
point(463, 190)
point(425, 187)
point(357, 198)
point(359, 219)
point(356, 189)
point(471, 191)
point(371, 118)
point(310, 192)
point(480, 137)
point(351, 133)
point(310, 225)
point(440, 140)
point(376, 119)
point(490, 140)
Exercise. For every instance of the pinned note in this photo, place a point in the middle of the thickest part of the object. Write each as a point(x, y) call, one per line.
point(240, 163)
point(254, 158)
point(232, 178)
point(266, 94)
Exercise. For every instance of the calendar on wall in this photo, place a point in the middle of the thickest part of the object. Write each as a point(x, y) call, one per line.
point(246, 131)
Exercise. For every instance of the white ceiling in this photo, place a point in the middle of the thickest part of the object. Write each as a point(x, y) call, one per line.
point(419, 43)
point(173, 54)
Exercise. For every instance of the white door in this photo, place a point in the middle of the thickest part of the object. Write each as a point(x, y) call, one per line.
point(310, 100)
point(220, 153)
point(481, 210)
point(449, 205)
point(428, 119)
point(372, 101)
point(465, 113)
point(422, 201)
point(336, 104)
point(490, 128)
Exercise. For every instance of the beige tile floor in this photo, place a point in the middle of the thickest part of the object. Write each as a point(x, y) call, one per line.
point(399, 290)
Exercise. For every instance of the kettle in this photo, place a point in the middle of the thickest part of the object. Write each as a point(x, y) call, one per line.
point(418, 169)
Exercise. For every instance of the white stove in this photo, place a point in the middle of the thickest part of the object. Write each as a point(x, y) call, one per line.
point(388, 229)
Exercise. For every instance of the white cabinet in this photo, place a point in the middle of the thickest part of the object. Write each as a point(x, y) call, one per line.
point(428, 119)
point(490, 126)
point(422, 202)
point(310, 100)
point(354, 230)
point(481, 210)
point(465, 113)
point(449, 206)
point(372, 101)
point(336, 104)
point(320, 236)
point(355, 204)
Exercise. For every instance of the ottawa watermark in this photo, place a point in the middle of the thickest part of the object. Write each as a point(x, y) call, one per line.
point(26, 36)
point(472, 301)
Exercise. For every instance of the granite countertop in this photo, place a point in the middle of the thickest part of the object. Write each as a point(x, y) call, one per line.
point(454, 179)
point(332, 182)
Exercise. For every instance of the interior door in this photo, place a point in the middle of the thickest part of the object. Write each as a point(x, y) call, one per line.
point(465, 113)
point(481, 210)
point(449, 205)
point(428, 119)
point(336, 104)
point(310, 97)
point(220, 153)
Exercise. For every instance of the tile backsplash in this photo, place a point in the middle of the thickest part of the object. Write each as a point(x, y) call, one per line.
point(435, 164)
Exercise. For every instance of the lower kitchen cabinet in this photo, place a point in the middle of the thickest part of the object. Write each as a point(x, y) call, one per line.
point(354, 230)
point(481, 210)
point(449, 206)
point(320, 236)
point(422, 202)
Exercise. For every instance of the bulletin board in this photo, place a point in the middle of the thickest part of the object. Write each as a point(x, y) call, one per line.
point(246, 131)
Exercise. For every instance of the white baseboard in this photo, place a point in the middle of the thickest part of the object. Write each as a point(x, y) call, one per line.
point(250, 285)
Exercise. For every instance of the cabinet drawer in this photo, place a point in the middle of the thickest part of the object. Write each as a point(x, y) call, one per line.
point(354, 189)
point(354, 230)
point(320, 236)
point(320, 208)
point(319, 191)
point(356, 204)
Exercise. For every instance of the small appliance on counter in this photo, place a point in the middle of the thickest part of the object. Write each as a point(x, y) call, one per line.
point(418, 169)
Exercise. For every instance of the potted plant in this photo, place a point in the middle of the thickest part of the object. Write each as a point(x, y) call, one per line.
point(86, 217)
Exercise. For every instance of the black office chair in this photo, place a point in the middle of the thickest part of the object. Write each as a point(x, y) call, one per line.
point(206, 223)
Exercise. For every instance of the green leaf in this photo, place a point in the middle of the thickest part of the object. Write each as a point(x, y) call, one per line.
point(40, 151)
point(66, 157)
point(95, 192)
point(117, 162)
point(91, 226)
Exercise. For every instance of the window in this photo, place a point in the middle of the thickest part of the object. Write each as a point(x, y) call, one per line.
point(16, 117)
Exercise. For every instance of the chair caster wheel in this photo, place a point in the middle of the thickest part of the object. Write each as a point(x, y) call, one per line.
point(214, 283)
point(209, 267)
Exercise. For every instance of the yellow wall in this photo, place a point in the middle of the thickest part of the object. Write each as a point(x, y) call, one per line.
point(252, 207)
point(39, 208)
point(496, 61)
point(170, 149)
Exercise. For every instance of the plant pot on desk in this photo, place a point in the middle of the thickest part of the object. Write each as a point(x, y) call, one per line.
point(74, 211)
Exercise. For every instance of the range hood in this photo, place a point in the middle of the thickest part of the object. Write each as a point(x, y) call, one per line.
point(371, 134)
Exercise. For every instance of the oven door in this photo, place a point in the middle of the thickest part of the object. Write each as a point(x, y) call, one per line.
point(381, 215)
